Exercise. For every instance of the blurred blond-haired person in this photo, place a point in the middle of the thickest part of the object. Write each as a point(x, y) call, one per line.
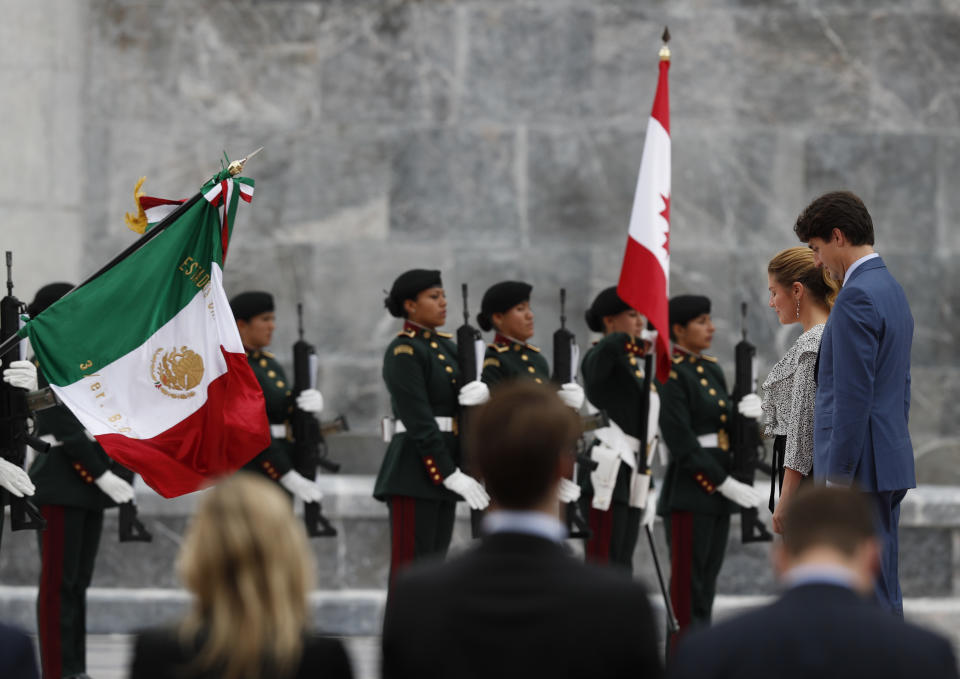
point(246, 561)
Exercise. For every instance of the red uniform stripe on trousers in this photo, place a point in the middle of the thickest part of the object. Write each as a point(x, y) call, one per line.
point(48, 599)
point(681, 566)
point(403, 537)
point(598, 547)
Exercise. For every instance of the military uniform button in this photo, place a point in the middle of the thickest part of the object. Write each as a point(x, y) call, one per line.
point(703, 381)
point(271, 373)
point(713, 392)
point(723, 417)
point(538, 381)
point(721, 403)
point(434, 345)
point(281, 384)
point(263, 363)
point(426, 334)
point(633, 361)
point(638, 373)
point(700, 369)
point(449, 369)
point(441, 357)
point(531, 369)
point(523, 357)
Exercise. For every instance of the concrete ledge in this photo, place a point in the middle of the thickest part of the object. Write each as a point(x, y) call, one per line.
point(359, 612)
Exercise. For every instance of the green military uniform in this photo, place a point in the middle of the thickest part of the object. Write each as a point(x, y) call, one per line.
point(695, 403)
point(613, 380)
point(507, 359)
point(72, 505)
point(276, 460)
point(422, 375)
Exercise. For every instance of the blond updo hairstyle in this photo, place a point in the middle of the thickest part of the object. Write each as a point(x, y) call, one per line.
point(795, 265)
point(247, 563)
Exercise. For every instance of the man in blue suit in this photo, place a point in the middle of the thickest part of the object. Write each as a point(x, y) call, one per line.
point(863, 394)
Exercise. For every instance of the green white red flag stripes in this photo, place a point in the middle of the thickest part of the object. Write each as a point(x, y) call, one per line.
point(147, 354)
point(645, 274)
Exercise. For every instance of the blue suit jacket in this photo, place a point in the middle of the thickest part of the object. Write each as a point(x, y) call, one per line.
point(863, 386)
point(813, 630)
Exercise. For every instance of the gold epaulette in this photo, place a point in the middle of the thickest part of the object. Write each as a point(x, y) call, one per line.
point(678, 359)
point(445, 335)
point(712, 359)
point(407, 333)
point(267, 354)
point(495, 362)
point(533, 348)
point(499, 349)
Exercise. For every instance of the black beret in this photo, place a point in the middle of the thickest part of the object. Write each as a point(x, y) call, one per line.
point(684, 308)
point(501, 297)
point(607, 303)
point(46, 296)
point(246, 305)
point(408, 285)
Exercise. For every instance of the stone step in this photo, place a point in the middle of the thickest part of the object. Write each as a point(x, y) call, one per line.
point(359, 613)
point(358, 558)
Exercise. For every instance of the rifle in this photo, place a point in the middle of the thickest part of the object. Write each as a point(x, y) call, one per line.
point(566, 356)
point(470, 350)
point(14, 413)
point(745, 435)
point(310, 448)
point(131, 529)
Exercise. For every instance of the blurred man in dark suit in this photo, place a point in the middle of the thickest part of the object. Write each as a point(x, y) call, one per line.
point(518, 605)
point(824, 625)
point(17, 659)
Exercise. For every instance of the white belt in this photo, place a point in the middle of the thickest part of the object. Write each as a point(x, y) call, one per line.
point(709, 440)
point(391, 426)
point(443, 424)
point(51, 440)
point(278, 431)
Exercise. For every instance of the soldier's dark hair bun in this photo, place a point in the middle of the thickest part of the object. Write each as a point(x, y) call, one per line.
point(484, 322)
point(594, 322)
point(394, 306)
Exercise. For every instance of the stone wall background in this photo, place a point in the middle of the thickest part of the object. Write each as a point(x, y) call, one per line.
point(492, 139)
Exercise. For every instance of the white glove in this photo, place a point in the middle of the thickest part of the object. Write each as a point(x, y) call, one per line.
point(749, 406)
point(571, 394)
point(310, 401)
point(468, 488)
point(474, 393)
point(650, 511)
point(569, 491)
point(301, 486)
point(116, 488)
point(14, 479)
point(740, 493)
point(21, 374)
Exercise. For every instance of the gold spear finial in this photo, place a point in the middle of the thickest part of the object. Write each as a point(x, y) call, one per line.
point(236, 167)
point(665, 49)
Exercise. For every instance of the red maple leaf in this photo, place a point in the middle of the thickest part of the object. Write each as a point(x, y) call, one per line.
point(666, 215)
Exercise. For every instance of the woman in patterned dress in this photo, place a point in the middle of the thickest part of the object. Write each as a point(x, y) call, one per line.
point(799, 293)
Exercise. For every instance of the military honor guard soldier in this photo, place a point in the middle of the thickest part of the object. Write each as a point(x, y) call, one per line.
point(74, 485)
point(420, 477)
point(256, 321)
point(615, 496)
point(506, 308)
point(697, 491)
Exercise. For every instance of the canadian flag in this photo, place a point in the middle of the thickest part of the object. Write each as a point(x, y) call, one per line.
point(645, 275)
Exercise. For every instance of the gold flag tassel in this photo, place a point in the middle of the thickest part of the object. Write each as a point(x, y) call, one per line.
point(137, 222)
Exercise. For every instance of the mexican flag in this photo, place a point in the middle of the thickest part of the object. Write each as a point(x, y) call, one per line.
point(147, 354)
point(645, 274)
